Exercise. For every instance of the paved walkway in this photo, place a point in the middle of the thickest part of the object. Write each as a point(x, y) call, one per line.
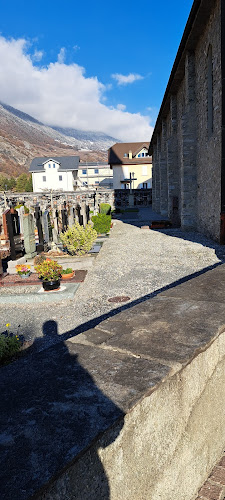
point(133, 262)
point(94, 378)
point(214, 487)
point(55, 402)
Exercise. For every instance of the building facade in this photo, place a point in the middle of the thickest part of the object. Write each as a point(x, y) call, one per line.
point(187, 145)
point(56, 174)
point(131, 165)
point(94, 175)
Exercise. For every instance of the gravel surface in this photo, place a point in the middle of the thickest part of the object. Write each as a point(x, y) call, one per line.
point(133, 262)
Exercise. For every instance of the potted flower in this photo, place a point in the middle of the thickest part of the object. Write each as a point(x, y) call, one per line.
point(23, 270)
point(50, 272)
point(67, 273)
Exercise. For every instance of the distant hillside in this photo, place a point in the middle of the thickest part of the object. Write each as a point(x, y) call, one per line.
point(22, 137)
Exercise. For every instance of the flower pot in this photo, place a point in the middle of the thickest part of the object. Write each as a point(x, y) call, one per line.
point(51, 285)
point(25, 275)
point(67, 276)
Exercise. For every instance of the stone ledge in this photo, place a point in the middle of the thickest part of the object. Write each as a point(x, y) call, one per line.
point(125, 410)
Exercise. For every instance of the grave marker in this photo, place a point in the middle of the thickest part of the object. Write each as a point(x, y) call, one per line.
point(11, 230)
point(64, 220)
point(29, 236)
point(37, 215)
point(47, 227)
point(21, 213)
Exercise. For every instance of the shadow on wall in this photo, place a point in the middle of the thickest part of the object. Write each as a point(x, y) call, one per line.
point(52, 410)
point(146, 184)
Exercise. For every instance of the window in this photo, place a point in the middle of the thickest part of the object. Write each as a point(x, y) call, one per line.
point(84, 171)
point(60, 177)
point(142, 155)
point(96, 182)
point(53, 165)
point(125, 155)
point(96, 170)
point(210, 91)
point(49, 165)
point(44, 178)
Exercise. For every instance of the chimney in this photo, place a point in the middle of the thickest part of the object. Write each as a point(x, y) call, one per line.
point(130, 155)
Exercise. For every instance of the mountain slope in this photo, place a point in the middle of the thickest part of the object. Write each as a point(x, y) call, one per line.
point(22, 138)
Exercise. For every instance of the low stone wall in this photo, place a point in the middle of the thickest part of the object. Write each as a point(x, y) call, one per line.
point(132, 408)
point(136, 197)
point(166, 445)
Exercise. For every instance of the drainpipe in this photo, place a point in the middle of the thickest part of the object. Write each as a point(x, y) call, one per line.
point(222, 216)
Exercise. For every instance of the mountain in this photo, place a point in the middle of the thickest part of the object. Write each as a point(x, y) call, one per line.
point(22, 137)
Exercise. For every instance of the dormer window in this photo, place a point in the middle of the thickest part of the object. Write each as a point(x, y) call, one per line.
point(49, 165)
point(53, 165)
point(125, 155)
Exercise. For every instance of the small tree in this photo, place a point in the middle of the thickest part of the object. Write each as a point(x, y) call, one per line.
point(6, 183)
point(21, 183)
point(24, 183)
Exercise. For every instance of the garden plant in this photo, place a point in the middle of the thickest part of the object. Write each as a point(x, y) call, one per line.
point(78, 240)
point(102, 223)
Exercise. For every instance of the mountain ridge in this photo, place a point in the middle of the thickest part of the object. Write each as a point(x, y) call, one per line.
point(22, 138)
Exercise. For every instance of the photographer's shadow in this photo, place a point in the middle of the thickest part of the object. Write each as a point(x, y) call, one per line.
point(54, 414)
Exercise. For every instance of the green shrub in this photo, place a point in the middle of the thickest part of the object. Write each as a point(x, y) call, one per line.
point(102, 223)
point(105, 208)
point(78, 240)
point(9, 346)
point(68, 270)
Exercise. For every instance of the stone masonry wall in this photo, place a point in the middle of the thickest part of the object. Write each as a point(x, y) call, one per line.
point(155, 453)
point(189, 175)
point(209, 148)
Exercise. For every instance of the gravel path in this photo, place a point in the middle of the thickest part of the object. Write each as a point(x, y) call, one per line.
point(133, 262)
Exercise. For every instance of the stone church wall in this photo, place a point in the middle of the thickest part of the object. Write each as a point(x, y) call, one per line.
point(186, 158)
point(209, 148)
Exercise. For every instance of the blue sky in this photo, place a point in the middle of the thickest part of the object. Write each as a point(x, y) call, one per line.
point(126, 50)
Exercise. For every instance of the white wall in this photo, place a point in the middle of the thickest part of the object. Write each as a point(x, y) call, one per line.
point(95, 179)
point(143, 174)
point(53, 175)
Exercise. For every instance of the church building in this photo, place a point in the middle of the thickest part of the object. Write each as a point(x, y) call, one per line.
point(188, 142)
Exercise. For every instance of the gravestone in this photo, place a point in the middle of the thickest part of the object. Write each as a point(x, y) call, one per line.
point(83, 213)
point(29, 236)
point(55, 230)
point(11, 230)
point(38, 215)
point(47, 227)
point(21, 212)
point(64, 220)
point(77, 213)
point(71, 217)
point(87, 213)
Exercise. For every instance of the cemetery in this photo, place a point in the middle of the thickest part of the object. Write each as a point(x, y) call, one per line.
point(46, 243)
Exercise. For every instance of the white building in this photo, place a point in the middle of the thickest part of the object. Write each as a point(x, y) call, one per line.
point(65, 173)
point(131, 165)
point(92, 175)
point(56, 173)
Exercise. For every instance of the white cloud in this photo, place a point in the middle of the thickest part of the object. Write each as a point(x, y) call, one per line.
point(126, 79)
point(60, 94)
point(62, 55)
point(37, 55)
point(76, 47)
point(121, 107)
